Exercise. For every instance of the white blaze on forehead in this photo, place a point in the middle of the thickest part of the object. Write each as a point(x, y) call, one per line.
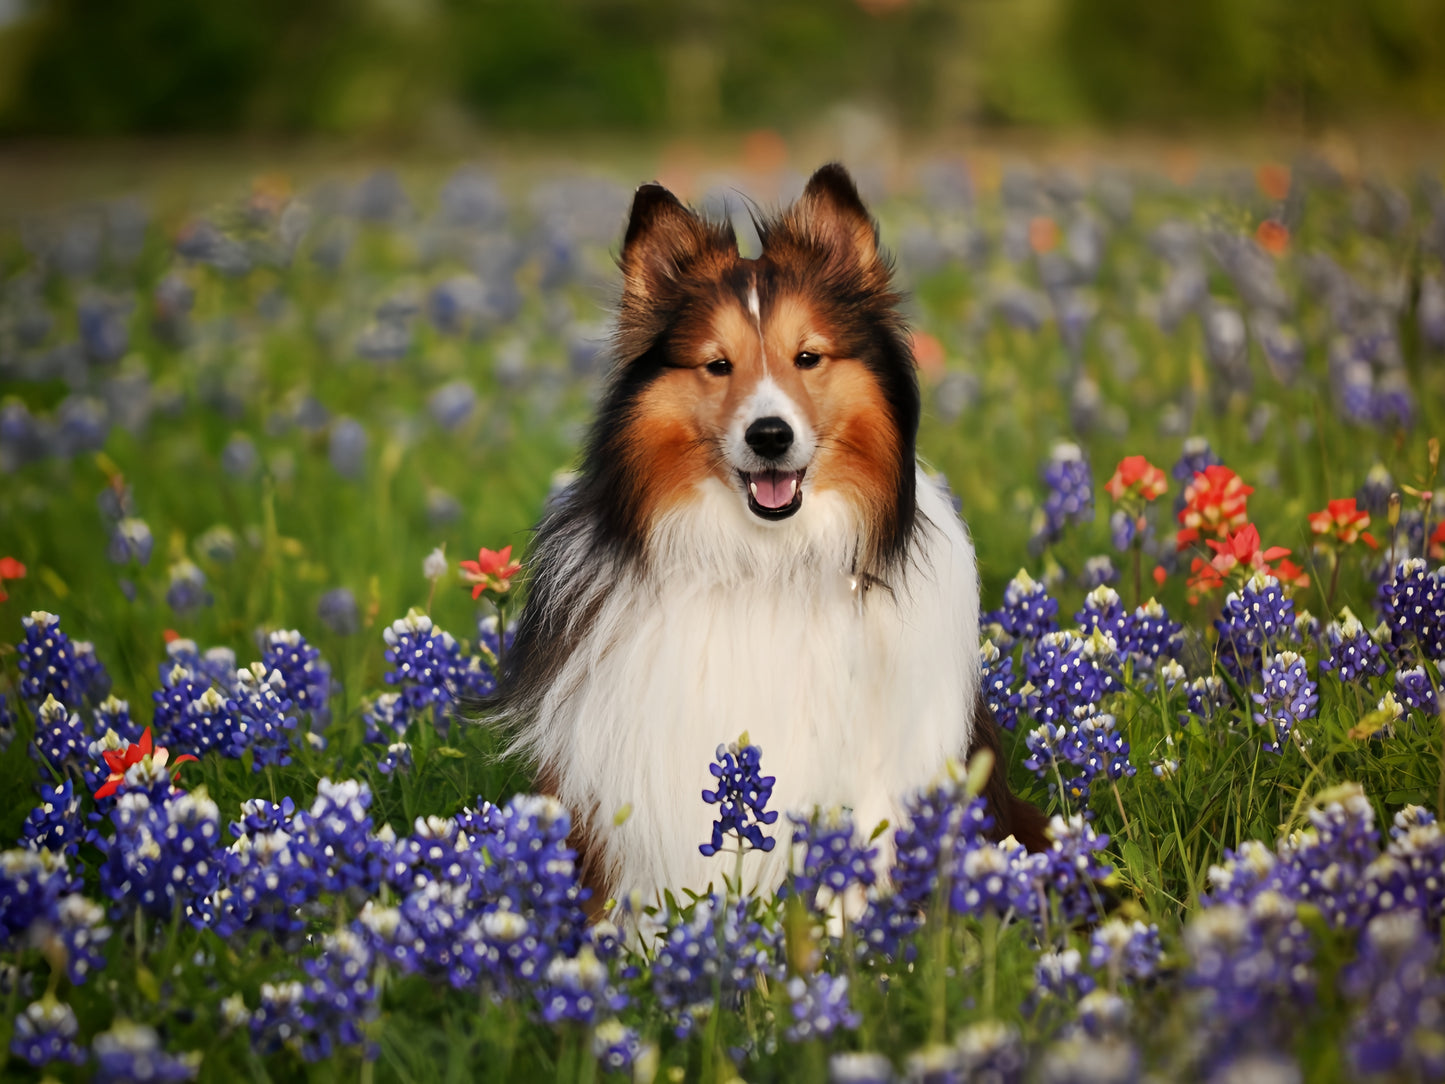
point(755, 310)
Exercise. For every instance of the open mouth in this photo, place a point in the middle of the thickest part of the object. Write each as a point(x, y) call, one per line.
point(774, 494)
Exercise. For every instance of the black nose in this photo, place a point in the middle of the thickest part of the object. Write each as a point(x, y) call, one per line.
point(769, 437)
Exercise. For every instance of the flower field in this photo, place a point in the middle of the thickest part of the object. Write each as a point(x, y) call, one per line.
point(250, 449)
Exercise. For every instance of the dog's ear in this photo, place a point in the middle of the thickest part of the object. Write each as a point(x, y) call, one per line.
point(664, 239)
point(830, 214)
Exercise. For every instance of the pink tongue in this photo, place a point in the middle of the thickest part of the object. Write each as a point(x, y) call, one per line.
point(775, 488)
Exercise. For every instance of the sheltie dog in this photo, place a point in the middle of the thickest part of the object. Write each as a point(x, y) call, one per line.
point(750, 546)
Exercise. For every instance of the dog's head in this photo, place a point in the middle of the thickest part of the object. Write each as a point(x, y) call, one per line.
point(778, 377)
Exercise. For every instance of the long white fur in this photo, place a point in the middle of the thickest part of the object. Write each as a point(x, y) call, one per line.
point(737, 624)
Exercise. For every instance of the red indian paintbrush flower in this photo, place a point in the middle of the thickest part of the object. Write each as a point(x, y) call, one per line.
point(1344, 523)
point(491, 571)
point(1137, 475)
point(1215, 503)
point(120, 761)
point(1241, 552)
point(10, 569)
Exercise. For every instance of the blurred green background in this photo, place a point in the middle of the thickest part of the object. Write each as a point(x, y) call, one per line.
point(420, 68)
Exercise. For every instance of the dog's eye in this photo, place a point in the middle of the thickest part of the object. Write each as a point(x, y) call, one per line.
point(807, 360)
point(720, 367)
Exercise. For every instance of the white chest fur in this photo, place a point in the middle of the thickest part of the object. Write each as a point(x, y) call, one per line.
point(856, 696)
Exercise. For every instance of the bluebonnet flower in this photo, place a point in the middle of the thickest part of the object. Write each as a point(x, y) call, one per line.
point(938, 823)
point(1411, 603)
point(1193, 458)
point(281, 1018)
point(385, 718)
point(306, 677)
point(819, 1006)
point(1326, 861)
point(187, 591)
point(426, 662)
point(833, 857)
point(1415, 690)
point(1103, 610)
point(131, 1053)
point(339, 825)
point(1091, 745)
point(113, 716)
point(103, 331)
point(1402, 1000)
point(1418, 844)
point(1256, 621)
point(397, 758)
point(1125, 951)
point(1206, 695)
point(50, 665)
point(1058, 975)
point(991, 1051)
point(60, 738)
point(217, 543)
point(130, 540)
point(80, 925)
point(578, 988)
point(1067, 670)
point(487, 634)
point(340, 996)
point(338, 611)
point(859, 1067)
point(616, 1046)
point(741, 795)
point(1249, 966)
point(530, 869)
point(45, 1032)
point(264, 711)
point(1290, 697)
point(1071, 494)
point(91, 671)
point(452, 404)
point(32, 884)
point(55, 824)
point(1149, 635)
point(239, 458)
point(1028, 612)
point(1307, 626)
point(209, 723)
point(1353, 653)
point(1098, 571)
point(714, 949)
point(1102, 1014)
point(1123, 528)
point(163, 854)
point(1245, 871)
point(7, 724)
point(271, 872)
point(999, 694)
point(347, 446)
point(1069, 871)
point(990, 878)
point(390, 936)
point(1374, 493)
point(216, 666)
point(1083, 1059)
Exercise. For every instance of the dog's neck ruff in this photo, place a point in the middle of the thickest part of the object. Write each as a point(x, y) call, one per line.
point(856, 696)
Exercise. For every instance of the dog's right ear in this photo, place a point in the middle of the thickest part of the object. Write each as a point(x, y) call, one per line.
point(664, 239)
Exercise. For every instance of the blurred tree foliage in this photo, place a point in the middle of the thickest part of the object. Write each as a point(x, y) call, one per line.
point(125, 66)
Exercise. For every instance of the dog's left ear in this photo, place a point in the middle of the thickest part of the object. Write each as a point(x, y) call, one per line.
point(830, 214)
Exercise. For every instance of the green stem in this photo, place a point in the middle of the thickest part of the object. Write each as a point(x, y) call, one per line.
point(1138, 572)
point(1114, 785)
point(990, 961)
